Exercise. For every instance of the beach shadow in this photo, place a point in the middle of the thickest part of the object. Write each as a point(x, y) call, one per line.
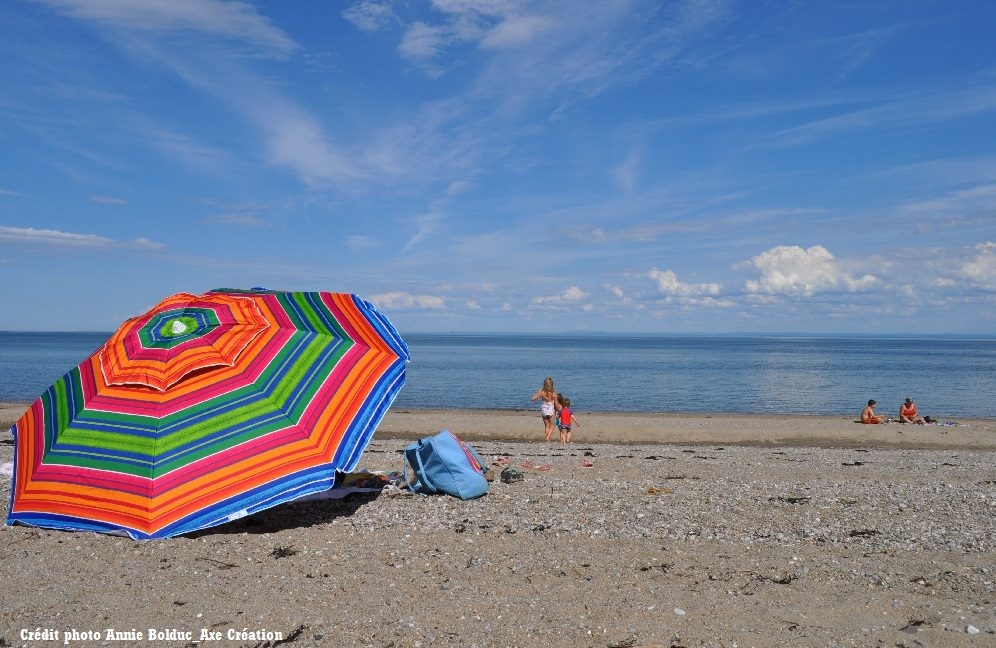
point(291, 516)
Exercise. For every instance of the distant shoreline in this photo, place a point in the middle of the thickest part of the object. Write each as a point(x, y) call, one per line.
point(671, 428)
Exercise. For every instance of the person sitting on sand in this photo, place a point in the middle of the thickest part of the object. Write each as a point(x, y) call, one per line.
point(907, 413)
point(868, 413)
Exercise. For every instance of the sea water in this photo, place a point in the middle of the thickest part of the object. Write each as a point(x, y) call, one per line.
point(947, 376)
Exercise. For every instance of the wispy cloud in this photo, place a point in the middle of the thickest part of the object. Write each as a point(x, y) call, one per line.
point(544, 49)
point(855, 50)
point(182, 148)
point(359, 243)
point(914, 109)
point(291, 137)
point(516, 30)
point(627, 173)
point(425, 225)
point(227, 18)
point(107, 200)
point(960, 202)
point(371, 15)
point(244, 220)
point(57, 238)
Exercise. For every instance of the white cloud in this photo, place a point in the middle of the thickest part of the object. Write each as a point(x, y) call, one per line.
point(229, 18)
point(297, 141)
point(458, 187)
point(291, 136)
point(516, 30)
point(143, 244)
point(792, 270)
point(669, 285)
point(31, 235)
point(979, 199)
point(491, 24)
point(425, 226)
point(574, 294)
point(627, 173)
point(423, 41)
point(577, 50)
point(361, 243)
point(182, 148)
point(616, 291)
point(370, 15)
point(570, 295)
point(57, 238)
point(246, 220)
point(981, 270)
point(935, 106)
point(401, 300)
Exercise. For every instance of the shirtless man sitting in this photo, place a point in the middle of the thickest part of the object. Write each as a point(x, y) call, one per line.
point(868, 414)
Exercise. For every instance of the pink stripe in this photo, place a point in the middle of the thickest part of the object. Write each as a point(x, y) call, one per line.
point(137, 485)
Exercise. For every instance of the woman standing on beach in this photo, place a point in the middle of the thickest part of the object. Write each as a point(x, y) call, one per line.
point(548, 396)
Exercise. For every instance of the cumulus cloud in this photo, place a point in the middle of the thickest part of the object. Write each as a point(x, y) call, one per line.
point(57, 238)
point(616, 291)
point(571, 295)
point(401, 300)
point(981, 270)
point(793, 270)
point(668, 284)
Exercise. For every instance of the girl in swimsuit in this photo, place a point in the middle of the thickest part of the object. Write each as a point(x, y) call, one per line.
point(548, 397)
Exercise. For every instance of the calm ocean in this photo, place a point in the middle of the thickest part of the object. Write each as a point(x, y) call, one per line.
point(949, 377)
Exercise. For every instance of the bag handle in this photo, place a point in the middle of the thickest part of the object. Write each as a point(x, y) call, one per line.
point(420, 474)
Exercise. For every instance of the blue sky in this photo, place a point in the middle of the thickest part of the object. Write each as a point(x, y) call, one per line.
point(503, 165)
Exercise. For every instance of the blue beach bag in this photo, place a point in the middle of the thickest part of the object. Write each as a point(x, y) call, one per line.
point(445, 464)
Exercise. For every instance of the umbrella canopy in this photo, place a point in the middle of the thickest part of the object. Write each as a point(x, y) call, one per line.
point(206, 409)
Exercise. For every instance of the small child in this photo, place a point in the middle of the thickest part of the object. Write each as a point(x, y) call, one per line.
point(566, 418)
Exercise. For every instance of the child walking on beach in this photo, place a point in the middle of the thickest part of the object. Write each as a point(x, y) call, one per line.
point(566, 419)
point(548, 400)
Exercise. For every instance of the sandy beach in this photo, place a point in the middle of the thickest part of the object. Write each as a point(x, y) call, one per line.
point(649, 530)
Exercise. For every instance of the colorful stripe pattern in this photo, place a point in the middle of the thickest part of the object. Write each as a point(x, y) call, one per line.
point(206, 409)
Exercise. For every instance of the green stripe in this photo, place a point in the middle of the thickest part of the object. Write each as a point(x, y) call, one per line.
point(101, 443)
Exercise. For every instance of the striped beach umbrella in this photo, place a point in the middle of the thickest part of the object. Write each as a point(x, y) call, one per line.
point(206, 409)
